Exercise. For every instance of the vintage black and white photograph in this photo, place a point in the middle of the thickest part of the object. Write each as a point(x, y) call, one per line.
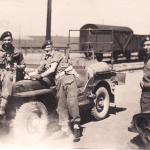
point(75, 74)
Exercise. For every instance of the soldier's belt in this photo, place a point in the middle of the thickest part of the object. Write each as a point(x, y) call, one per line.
point(63, 73)
point(60, 74)
point(10, 69)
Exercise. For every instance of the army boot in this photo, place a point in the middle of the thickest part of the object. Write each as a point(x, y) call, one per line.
point(63, 133)
point(66, 129)
point(76, 132)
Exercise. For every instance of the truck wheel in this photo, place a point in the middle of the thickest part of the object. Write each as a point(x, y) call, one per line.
point(142, 55)
point(128, 55)
point(88, 55)
point(115, 56)
point(99, 56)
point(30, 122)
point(101, 107)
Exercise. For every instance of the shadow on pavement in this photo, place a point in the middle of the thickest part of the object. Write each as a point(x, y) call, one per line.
point(85, 112)
point(53, 127)
point(115, 110)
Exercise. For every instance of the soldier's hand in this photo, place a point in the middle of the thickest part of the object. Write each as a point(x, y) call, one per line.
point(8, 67)
point(37, 77)
point(4, 55)
point(27, 77)
point(15, 65)
point(18, 66)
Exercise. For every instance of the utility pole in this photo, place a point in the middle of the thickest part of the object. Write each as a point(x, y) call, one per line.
point(48, 23)
point(19, 41)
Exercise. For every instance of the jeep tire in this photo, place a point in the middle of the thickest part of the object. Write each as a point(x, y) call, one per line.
point(101, 103)
point(31, 121)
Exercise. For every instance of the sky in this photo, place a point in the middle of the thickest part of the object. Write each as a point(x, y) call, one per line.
point(28, 17)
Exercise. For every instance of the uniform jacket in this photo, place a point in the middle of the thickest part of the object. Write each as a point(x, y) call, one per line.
point(146, 72)
point(15, 57)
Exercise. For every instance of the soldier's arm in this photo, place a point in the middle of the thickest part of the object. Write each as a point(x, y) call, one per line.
point(19, 56)
point(39, 70)
point(23, 66)
point(57, 57)
point(2, 57)
point(50, 70)
point(22, 62)
point(41, 67)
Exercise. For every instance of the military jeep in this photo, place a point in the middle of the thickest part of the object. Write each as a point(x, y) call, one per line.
point(30, 106)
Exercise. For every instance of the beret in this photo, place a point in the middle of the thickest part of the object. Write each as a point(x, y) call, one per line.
point(47, 43)
point(5, 34)
point(147, 43)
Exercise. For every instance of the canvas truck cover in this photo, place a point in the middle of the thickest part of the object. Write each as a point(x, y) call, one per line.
point(104, 38)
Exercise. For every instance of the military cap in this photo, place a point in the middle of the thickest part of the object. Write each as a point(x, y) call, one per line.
point(47, 43)
point(147, 38)
point(147, 42)
point(5, 34)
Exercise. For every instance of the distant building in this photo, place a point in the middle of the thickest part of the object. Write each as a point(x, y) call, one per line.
point(35, 42)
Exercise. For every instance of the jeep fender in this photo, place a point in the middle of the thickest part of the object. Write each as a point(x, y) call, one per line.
point(34, 93)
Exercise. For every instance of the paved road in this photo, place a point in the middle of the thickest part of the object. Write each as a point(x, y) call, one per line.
point(110, 133)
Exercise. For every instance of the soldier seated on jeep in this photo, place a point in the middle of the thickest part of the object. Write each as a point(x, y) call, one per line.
point(12, 68)
point(67, 92)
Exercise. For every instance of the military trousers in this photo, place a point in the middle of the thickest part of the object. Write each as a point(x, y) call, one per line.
point(7, 85)
point(67, 94)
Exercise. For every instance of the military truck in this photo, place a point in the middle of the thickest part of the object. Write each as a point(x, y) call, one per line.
point(96, 40)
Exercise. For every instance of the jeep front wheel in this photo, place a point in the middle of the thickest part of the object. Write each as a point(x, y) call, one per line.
point(101, 103)
point(31, 121)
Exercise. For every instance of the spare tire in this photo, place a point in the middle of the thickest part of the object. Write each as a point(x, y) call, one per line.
point(30, 122)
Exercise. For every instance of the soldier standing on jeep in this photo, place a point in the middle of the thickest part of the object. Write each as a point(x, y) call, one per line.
point(12, 68)
point(66, 86)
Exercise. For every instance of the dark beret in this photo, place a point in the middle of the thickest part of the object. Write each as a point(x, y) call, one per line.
point(47, 43)
point(5, 34)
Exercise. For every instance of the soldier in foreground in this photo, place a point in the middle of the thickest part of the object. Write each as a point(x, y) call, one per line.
point(12, 68)
point(65, 80)
point(145, 85)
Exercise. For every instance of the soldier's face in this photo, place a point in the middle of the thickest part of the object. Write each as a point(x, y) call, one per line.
point(7, 40)
point(48, 49)
point(7, 44)
point(147, 47)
